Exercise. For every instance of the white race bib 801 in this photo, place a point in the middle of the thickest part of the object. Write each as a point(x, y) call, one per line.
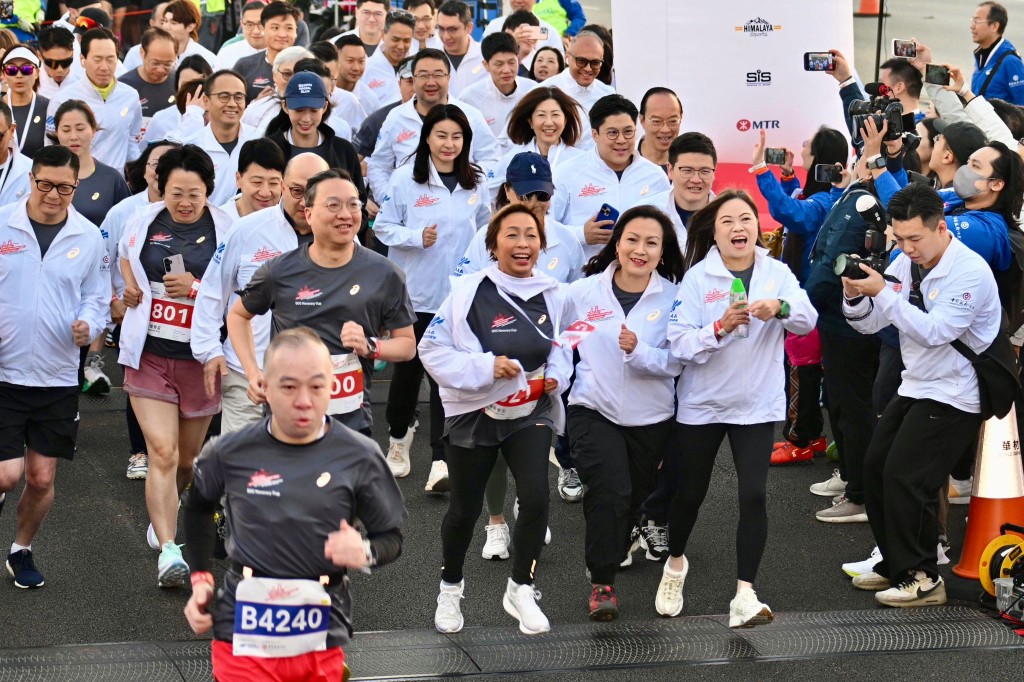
point(520, 403)
point(347, 386)
point(170, 318)
point(279, 618)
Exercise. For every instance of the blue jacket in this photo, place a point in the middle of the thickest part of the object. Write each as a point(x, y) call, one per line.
point(799, 216)
point(1008, 81)
point(574, 13)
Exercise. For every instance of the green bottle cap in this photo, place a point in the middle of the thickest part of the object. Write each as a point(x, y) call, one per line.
point(737, 286)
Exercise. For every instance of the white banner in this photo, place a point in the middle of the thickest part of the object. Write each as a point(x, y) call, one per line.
point(736, 65)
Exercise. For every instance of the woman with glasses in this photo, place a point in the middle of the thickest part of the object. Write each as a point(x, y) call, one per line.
point(547, 62)
point(164, 251)
point(21, 75)
point(428, 217)
point(546, 122)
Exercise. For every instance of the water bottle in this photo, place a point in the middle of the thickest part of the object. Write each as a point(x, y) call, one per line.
point(739, 293)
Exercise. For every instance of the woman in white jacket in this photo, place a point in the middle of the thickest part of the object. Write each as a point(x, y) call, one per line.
point(620, 405)
point(491, 349)
point(732, 385)
point(428, 217)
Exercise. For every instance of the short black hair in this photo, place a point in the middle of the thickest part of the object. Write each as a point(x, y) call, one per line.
point(312, 65)
point(457, 9)
point(917, 200)
point(189, 158)
point(431, 53)
point(360, 3)
point(902, 71)
point(56, 36)
point(496, 43)
point(263, 152)
point(55, 156)
point(518, 18)
point(400, 17)
point(1010, 114)
point(349, 40)
point(94, 34)
point(413, 4)
point(253, 4)
point(692, 143)
point(212, 78)
point(611, 105)
point(324, 51)
point(279, 9)
point(6, 114)
point(194, 62)
point(997, 14)
point(659, 91)
point(323, 176)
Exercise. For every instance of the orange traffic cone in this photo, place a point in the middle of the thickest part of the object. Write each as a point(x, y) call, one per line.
point(868, 8)
point(998, 494)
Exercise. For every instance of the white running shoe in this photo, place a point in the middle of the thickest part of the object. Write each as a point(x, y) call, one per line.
point(520, 602)
point(570, 488)
point(138, 466)
point(745, 611)
point(960, 491)
point(830, 488)
point(172, 571)
point(448, 616)
point(398, 457)
point(151, 538)
point(437, 481)
point(915, 590)
point(498, 539)
point(855, 568)
point(669, 601)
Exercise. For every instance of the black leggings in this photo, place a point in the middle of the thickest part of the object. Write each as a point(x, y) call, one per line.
point(751, 452)
point(404, 394)
point(526, 453)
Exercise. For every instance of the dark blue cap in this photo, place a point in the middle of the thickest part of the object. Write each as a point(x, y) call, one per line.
point(529, 172)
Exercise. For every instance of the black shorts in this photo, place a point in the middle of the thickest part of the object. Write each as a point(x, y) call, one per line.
point(43, 418)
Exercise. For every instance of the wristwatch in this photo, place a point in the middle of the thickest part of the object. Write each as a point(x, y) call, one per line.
point(372, 348)
point(783, 310)
point(876, 162)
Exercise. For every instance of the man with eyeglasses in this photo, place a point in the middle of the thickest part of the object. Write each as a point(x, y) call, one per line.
point(57, 50)
point(379, 76)
point(425, 13)
point(365, 139)
point(251, 41)
point(280, 22)
point(346, 293)
point(583, 61)
point(181, 19)
point(370, 23)
point(61, 303)
point(14, 166)
point(224, 101)
point(153, 79)
point(455, 28)
point(400, 134)
point(116, 105)
point(612, 173)
point(661, 114)
point(998, 70)
point(256, 239)
point(692, 160)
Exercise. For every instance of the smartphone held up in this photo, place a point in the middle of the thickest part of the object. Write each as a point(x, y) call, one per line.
point(819, 61)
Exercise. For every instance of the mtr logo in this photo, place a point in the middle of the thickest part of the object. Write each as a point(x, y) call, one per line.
point(743, 125)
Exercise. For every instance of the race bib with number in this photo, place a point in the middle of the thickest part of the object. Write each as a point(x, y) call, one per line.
point(347, 387)
point(170, 318)
point(278, 618)
point(521, 403)
point(575, 333)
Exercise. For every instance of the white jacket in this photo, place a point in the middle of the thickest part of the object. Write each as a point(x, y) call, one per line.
point(16, 181)
point(224, 166)
point(41, 297)
point(962, 302)
point(629, 389)
point(161, 126)
point(347, 106)
point(367, 98)
point(229, 55)
point(251, 241)
point(496, 106)
point(452, 354)
point(119, 119)
point(586, 96)
point(400, 135)
point(135, 326)
point(133, 58)
point(409, 207)
point(561, 259)
point(584, 184)
point(112, 228)
point(380, 79)
point(557, 155)
point(471, 69)
point(733, 381)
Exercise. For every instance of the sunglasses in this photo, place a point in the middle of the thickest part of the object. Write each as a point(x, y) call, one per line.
point(59, 63)
point(538, 196)
point(24, 69)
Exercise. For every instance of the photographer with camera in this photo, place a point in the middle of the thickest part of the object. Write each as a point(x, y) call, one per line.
point(941, 293)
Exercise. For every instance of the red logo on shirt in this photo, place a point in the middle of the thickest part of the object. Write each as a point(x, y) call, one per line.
point(502, 321)
point(897, 287)
point(405, 135)
point(262, 479)
point(591, 190)
point(714, 296)
point(161, 237)
point(490, 120)
point(305, 293)
point(596, 314)
point(263, 253)
point(967, 296)
point(426, 200)
point(376, 83)
point(281, 592)
point(9, 247)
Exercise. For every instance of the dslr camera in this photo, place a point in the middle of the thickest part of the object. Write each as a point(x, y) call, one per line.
point(877, 258)
point(881, 109)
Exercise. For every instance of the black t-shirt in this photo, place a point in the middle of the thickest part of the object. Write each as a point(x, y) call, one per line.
point(229, 146)
point(369, 290)
point(32, 132)
point(450, 180)
point(256, 72)
point(45, 234)
point(626, 299)
point(370, 49)
point(456, 60)
point(99, 193)
point(744, 276)
point(196, 243)
point(153, 97)
point(684, 215)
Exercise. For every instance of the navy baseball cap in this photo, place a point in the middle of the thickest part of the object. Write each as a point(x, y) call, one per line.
point(529, 172)
point(305, 91)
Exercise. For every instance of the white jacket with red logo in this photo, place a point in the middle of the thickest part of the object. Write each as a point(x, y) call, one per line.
point(251, 241)
point(135, 326)
point(495, 105)
point(629, 389)
point(381, 79)
point(734, 381)
point(407, 209)
point(585, 183)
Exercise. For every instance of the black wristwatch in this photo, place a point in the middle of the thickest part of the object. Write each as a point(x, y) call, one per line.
point(877, 164)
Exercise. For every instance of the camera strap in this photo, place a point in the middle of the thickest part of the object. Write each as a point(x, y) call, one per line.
point(992, 73)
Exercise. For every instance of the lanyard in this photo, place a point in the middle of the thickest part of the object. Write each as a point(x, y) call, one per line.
point(6, 172)
point(28, 122)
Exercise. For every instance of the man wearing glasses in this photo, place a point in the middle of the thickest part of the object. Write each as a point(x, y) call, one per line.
point(455, 28)
point(692, 160)
point(584, 60)
point(612, 173)
point(346, 293)
point(661, 114)
point(258, 238)
point(249, 43)
point(370, 23)
point(425, 13)
point(153, 79)
point(379, 76)
point(61, 303)
point(998, 71)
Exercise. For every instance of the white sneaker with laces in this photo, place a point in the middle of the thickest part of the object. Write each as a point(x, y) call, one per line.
point(745, 611)
point(437, 481)
point(855, 568)
point(915, 590)
point(570, 488)
point(960, 491)
point(448, 616)
point(520, 602)
point(398, 453)
point(498, 539)
point(669, 600)
point(830, 488)
point(138, 466)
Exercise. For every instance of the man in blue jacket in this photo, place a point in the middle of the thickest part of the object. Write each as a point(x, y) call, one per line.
point(998, 69)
